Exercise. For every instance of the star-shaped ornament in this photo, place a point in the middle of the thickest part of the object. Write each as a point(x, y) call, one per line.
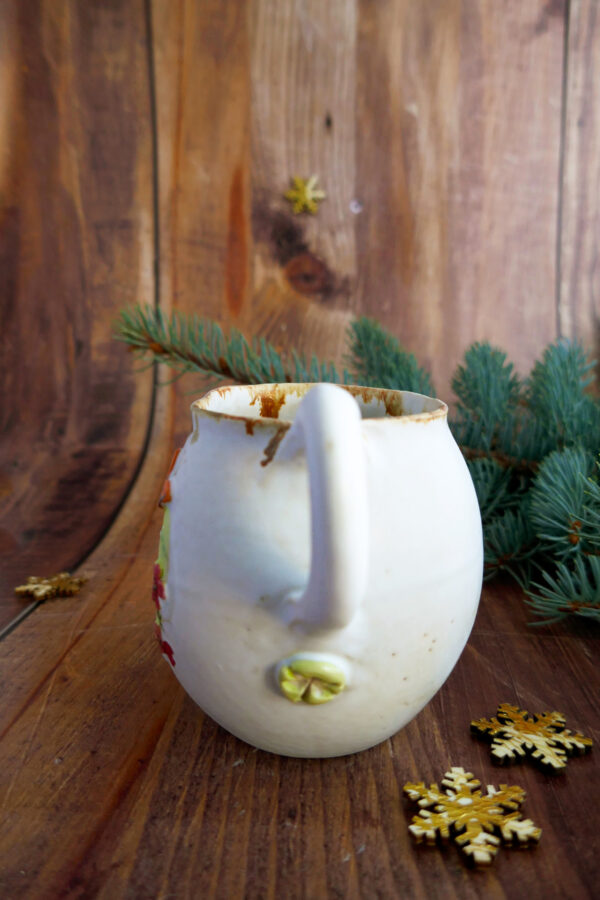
point(304, 195)
point(61, 585)
point(516, 733)
point(477, 822)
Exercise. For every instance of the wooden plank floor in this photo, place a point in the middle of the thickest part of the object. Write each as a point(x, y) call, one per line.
point(150, 142)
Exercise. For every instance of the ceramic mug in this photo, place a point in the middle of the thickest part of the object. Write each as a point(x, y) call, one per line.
point(320, 562)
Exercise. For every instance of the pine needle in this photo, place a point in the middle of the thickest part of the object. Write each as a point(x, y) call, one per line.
point(191, 344)
point(377, 360)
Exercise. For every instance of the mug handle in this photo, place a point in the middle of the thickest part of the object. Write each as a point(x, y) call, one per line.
point(328, 426)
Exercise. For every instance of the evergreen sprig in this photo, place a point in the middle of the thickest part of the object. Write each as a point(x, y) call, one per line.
point(555, 394)
point(531, 444)
point(488, 393)
point(571, 590)
point(376, 359)
point(531, 447)
point(191, 344)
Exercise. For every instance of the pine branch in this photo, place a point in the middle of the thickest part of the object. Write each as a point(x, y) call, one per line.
point(376, 359)
point(556, 396)
point(526, 466)
point(192, 344)
point(572, 590)
point(590, 519)
point(509, 542)
point(543, 512)
point(559, 496)
point(487, 392)
point(493, 486)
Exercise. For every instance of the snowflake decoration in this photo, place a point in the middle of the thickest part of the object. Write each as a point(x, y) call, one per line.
point(305, 195)
point(517, 733)
point(61, 585)
point(476, 823)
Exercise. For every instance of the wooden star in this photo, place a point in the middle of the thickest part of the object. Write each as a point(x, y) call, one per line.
point(305, 195)
point(61, 585)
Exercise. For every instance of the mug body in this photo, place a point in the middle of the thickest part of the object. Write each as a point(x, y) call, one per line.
point(237, 537)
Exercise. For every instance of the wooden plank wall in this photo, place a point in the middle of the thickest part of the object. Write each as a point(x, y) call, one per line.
point(75, 246)
point(579, 288)
point(440, 120)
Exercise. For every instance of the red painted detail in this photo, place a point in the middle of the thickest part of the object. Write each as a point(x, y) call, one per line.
point(173, 461)
point(168, 652)
point(165, 496)
point(158, 588)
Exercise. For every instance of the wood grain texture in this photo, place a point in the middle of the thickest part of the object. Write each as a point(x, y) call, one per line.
point(435, 129)
point(442, 120)
point(579, 303)
point(201, 55)
point(457, 239)
point(303, 76)
point(75, 245)
point(117, 785)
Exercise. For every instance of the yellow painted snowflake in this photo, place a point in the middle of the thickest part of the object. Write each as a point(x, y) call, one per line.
point(516, 733)
point(476, 823)
point(304, 195)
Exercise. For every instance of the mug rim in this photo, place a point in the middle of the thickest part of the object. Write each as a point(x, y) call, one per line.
point(390, 398)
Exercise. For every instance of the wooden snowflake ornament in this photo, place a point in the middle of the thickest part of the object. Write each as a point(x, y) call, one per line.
point(304, 195)
point(476, 823)
point(516, 733)
point(61, 585)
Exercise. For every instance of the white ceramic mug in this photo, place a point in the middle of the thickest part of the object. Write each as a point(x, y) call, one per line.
point(320, 562)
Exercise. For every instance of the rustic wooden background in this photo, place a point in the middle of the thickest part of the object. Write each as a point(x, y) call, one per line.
point(145, 148)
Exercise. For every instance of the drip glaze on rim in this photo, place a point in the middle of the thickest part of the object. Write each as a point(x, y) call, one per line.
point(269, 399)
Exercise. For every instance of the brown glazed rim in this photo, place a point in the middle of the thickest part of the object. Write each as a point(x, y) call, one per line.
point(272, 396)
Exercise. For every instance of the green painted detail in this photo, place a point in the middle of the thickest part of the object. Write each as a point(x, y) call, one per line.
point(158, 619)
point(311, 681)
point(163, 544)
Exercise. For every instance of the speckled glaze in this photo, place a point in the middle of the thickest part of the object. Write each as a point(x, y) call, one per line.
point(322, 564)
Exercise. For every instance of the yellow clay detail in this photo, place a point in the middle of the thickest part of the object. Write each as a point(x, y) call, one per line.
point(311, 681)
